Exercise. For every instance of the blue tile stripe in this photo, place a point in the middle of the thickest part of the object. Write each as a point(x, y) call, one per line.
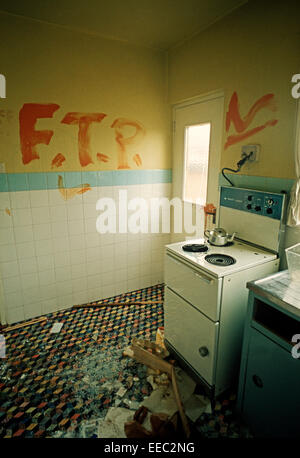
point(10, 182)
point(271, 184)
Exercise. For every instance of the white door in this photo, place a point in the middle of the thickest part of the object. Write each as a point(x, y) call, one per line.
point(197, 143)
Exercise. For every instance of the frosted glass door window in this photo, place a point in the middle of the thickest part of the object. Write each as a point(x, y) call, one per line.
point(196, 154)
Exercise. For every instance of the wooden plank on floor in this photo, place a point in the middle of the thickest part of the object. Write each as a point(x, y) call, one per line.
point(184, 420)
point(25, 324)
point(153, 361)
point(95, 305)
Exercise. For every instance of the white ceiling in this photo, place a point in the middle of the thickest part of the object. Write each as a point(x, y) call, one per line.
point(158, 24)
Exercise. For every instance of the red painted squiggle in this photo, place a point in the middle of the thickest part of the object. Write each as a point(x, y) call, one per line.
point(232, 139)
point(241, 124)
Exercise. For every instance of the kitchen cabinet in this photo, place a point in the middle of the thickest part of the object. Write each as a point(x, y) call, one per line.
point(268, 396)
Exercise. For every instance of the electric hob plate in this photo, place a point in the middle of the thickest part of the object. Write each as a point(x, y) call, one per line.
point(195, 247)
point(218, 259)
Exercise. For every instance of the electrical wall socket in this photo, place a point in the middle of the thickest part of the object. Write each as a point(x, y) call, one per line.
point(254, 149)
point(2, 167)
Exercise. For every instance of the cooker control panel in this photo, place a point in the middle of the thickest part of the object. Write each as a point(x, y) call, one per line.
point(260, 202)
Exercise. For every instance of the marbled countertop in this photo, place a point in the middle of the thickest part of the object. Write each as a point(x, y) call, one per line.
point(280, 289)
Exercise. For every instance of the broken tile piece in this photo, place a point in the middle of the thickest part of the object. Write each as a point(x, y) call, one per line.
point(56, 328)
point(195, 406)
point(122, 390)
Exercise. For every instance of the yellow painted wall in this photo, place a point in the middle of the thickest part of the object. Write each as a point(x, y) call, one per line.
point(254, 51)
point(81, 73)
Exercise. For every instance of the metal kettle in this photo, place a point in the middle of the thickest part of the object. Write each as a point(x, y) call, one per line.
point(219, 236)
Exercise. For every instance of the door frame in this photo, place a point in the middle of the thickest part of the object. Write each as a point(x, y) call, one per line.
point(198, 98)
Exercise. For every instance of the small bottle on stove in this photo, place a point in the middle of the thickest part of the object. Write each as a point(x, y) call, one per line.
point(210, 217)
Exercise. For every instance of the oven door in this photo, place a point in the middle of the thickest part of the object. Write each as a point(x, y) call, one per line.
point(191, 334)
point(199, 288)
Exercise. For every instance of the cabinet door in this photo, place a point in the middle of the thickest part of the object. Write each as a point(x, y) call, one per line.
point(191, 334)
point(271, 404)
point(202, 290)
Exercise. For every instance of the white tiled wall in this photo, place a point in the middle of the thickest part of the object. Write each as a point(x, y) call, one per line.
point(52, 257)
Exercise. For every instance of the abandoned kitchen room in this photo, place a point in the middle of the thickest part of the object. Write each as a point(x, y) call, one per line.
point(150, 219)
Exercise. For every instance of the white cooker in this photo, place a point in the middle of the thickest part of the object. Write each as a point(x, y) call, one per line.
point(205, 292)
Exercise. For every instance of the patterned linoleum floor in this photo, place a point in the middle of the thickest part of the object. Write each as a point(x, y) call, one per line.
point(50, 384)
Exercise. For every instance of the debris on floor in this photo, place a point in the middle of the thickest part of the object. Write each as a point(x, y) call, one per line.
point(151, 425)
point(150, 379)
point(151, 414)
point(186, 384)
point(195, 406)
point(160, 427)
point(90, 429)
point(150, 346)
point(131, 404)
point(161, 400)
point(56, 328)
point(113, 424)
point(65, 384)
point(128, 352)
point(160, 337)
point(165, 399)
point(122, 390)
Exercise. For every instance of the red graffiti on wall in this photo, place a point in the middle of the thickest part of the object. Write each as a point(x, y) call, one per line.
point(119, 124)
point(69, 193)
point(58, 160)
point(241, 124)
point(137, 159)
point(102, 157)
point(84, 121)
point(29, 137)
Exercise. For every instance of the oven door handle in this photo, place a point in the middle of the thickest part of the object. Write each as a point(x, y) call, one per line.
point(203, 277)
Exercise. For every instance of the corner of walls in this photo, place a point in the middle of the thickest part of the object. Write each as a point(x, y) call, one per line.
point(82, 97)
point(255, 71)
